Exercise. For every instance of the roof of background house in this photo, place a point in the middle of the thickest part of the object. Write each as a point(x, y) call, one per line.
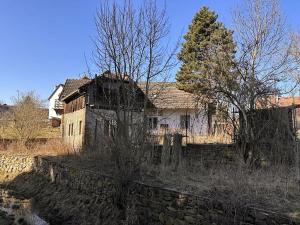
point(165, 95)
point(56, 88)
point(72, 85)
point(288, 101)
point(4, 108)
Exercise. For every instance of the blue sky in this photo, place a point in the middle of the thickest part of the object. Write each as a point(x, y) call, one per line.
point(43, 42)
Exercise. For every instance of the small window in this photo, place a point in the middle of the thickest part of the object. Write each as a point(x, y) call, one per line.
point(185, 121)
point(80, 127)
point(152, 122)
point(69, 131)
point(72, 126)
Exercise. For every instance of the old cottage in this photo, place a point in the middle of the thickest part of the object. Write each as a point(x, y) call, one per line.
point(90, 108)
point(176, 111)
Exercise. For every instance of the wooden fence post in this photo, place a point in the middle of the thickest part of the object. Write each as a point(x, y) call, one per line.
point(177, 152)
point(166, 151)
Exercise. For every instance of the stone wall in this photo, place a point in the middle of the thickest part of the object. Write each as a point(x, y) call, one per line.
point(199, 155)
point(151, 204)
point(156, 205)
point(161, 205)
point(209, 154)
point(83, 180)
point(13, 165)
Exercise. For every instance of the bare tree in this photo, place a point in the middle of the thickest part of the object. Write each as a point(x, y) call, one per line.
point(265, 64)
point(131, 47)
point(130, 44)
point(26, 118)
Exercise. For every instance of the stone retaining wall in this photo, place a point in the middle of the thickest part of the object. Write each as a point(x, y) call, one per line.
point(13, 165)
point(83, 180)
point(209, 154)
point(199, 155)
point(153, 205)
point(162, 205)
point(165, 206)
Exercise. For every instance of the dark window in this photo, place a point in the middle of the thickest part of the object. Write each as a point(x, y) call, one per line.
point(80, 127)
point(185, 121)
point(72, 126)
point(152, 122)
point(69, 131)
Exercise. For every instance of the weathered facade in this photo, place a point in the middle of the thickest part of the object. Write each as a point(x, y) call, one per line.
point(90, 109)
point(73, 118)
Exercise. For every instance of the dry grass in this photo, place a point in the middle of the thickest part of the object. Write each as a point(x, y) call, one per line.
point(208, 139)
point(274, 188)
point(46, 132)
point(52, 147)
point(203, 139)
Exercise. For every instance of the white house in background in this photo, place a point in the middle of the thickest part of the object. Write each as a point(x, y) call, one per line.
point(176, 111)
point(55, 106)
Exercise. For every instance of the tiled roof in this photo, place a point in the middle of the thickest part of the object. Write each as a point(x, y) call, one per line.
point(71, 85)
point(282, 101)
point(288, 101)
point(165, 95)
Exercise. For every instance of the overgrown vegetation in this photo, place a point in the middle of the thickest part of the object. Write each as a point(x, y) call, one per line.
point(53, 147)
point(227, 69)
point(26, 119)
point(131, 47)
point(260, 63)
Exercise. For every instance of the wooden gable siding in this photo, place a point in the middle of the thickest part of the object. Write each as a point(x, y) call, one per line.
point(104, 95)
point(75, 104)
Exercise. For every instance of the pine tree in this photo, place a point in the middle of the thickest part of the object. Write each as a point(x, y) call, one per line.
point(206, 55)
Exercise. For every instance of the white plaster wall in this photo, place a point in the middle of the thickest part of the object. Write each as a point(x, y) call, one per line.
point(198, 122)
point(55, 96)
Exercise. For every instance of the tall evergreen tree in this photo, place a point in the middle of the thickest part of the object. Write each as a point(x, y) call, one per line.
point(207, 55)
